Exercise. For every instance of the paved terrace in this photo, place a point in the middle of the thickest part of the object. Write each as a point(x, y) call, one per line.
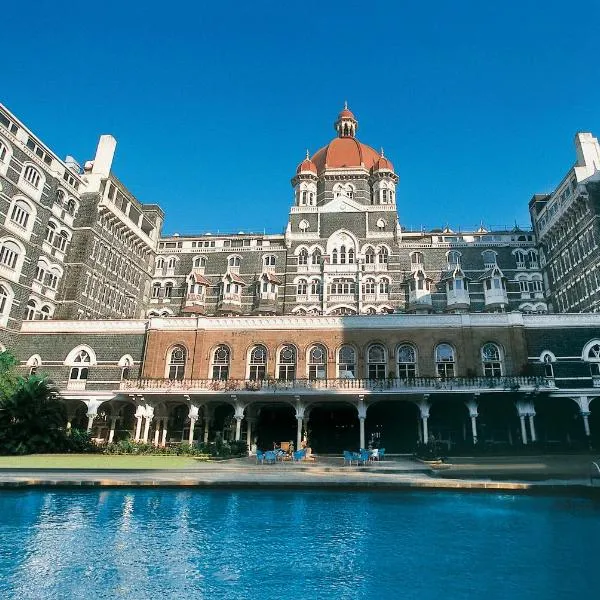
point(549, 474)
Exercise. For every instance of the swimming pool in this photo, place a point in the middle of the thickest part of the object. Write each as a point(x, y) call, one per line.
point(296, 545)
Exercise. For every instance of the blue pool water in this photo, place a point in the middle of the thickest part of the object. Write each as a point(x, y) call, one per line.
point(144, 544)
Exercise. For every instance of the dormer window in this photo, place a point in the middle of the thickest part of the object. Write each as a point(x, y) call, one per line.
point(234, 261)
point(489, 259)
point(270, 260)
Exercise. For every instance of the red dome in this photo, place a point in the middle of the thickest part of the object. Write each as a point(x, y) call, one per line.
point(346, 114)
point(382, 163)
point(305, 166)
point(345, 152)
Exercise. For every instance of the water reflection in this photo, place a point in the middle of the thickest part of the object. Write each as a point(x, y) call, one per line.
point(275, 544)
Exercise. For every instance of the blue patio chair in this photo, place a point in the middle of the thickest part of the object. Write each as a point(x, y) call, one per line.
point(364, 456)
point(270, 457)
point(381, 453)
point(299, 455)
point(260, 457)
point(348, 457)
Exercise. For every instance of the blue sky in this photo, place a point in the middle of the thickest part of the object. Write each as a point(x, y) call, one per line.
point(214, 104)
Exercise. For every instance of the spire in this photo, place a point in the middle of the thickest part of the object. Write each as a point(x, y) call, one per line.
point(307, 154)
point(345, 104)
point(382, 154)
point(346, 124)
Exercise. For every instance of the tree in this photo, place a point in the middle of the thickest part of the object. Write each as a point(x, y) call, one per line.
point(8, 375)
point(32, 418)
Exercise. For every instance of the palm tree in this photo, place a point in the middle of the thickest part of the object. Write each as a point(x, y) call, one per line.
point(32, 419)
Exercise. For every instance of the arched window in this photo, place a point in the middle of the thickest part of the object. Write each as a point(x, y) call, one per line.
point(416, 258)
point(369, 286)
point(370, 256)
point(548, 366)
point(199, 262)
point(382, 256)
point(9, 254)
point(384, 286)
point(4, 155)
point(4, 296)
point(34, 364)
point(444, 361)
point(302, 287)
point(176, 363)
point(287, 363)
point(257, 367)
point(376, 362)
point(347, 362)
point(50, 232)
point(407, 362)
point(156, 290)
point(80, 366)
point(520, 258)
point(334, 256)
point(593, 358)
point(172, 261)
point(60, 241)
point(234, 261)
point(32, 176)
point(269, 261)
point(125, 363)
point(453, 259)
point(160, 263)
point(45, 312)
point(317, 362)
point(168, 290)
point(491, 358)
point(489, 259)
point(21, 213)
point(71, 206)
point(316, 257)
point(315, 287)
point(30, 310)
point(303, 257)
point(220, 363)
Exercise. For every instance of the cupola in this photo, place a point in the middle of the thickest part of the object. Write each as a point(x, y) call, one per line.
point(346, 125)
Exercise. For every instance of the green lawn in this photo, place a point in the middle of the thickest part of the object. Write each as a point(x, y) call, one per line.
point(97, 461)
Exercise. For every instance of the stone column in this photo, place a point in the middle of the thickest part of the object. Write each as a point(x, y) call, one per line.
point(361, 406)
point(474, 427)
point(111, 433)
point(299, 421)
point(532, 427)
point(163, 441)
point(191, 435)
point(157, 432)
point(362, 431)
point(523, 429)
point(138, 428)
point(238, 428)
point(249, 423)
point(586, 423)
point(473, 413)
point(205, 437)
point(90, 423)
point(149, 416)
point(424, 406)
point(425, 429)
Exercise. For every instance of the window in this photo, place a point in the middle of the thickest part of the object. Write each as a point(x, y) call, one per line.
point(234, 261)
point(489, 259)
point(258, 364)
point(4, 295)
point(548, 366)
point(80, 366)
point(20, 214)
point(317, 362)
point(156, 290)
point(168, 290)
point(347, 362)
point(160, 263)
point(51, 279)
point(303, 257)
point(315, 287)
point(9, 253)
point(220, 365)
point(382, 257)
point(407, 363)
point(60, 241)
point(45, 312)
point(416, 258)
point(126, 365)
point(270, 261)
point(199, 262)
point(453, 259)
point(50, 231)
point(302, 287)
point(370, 256)
point(316, 257)
point(376, 362)
point(3, 153)
point(444, 359)
point(384, 287)
point(30, 310)
point(32, 176)
point(177, 363)
point(369, 286)
point(287, 363)
point(520, 258)
point(491, 358)
point(33, 363)
point(71, 206)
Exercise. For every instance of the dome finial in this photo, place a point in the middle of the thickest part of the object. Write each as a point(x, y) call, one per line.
point(346, 104)
point(382, 155)
point(307, 155)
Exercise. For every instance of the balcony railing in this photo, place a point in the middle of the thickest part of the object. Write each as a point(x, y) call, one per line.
point(423, 384)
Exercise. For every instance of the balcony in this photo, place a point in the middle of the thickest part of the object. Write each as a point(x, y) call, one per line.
point(422, 385)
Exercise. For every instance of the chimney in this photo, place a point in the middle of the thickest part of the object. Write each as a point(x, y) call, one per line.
point(104, 156)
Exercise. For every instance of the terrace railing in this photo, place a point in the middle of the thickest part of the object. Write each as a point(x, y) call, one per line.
point(423, 384)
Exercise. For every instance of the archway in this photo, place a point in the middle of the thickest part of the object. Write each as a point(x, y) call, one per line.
point(498, 421)
point(223, 423)
point(275, 423)
point(333, 428)
point(449, 423)
point(393, 425)
point(559, 423)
